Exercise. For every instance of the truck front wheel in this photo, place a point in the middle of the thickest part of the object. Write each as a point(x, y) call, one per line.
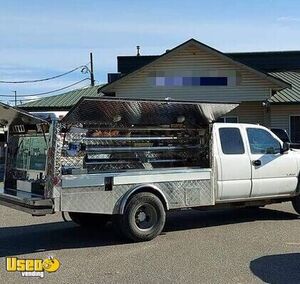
point(89, 219)
point(144, 217)
point(296, 203)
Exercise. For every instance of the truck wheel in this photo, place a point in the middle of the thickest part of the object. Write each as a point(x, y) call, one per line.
point(144, 217)
point(296, 203)
point(89, 219)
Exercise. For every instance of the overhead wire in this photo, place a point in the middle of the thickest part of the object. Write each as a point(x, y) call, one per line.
point(44, 79)
point(37, 98)
point(48, 92)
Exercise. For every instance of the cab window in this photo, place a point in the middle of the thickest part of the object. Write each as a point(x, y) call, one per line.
point(262, 142)
point(231, 141)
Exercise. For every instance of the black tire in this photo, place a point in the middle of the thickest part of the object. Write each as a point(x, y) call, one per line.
point(296, 203)
point(143, 219)
point(89, 219)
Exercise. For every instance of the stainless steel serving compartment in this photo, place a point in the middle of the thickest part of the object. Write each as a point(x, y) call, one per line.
point(15, 195)
point(122, 134)
point(113, 147)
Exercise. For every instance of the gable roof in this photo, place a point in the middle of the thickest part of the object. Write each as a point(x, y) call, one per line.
point(287, 96)
point(281, 84)
point(62, 101)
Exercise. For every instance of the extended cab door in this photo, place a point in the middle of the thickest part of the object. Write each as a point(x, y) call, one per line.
point(232, 162)
point(273, 172)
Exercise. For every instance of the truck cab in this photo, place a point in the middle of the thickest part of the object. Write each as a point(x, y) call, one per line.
point(252, 162)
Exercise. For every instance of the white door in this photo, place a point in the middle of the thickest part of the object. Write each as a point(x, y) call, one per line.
point(233, 163)
point(272, 172)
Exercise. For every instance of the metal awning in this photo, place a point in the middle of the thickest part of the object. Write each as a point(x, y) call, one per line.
point(125, 112)
point(13, 116)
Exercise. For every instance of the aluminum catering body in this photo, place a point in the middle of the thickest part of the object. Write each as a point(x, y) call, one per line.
point(105, 152)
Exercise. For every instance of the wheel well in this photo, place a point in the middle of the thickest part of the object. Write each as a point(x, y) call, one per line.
point(150, 189)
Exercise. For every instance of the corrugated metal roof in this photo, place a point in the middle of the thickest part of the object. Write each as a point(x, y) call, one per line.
point(288, 95)
point(62, 101)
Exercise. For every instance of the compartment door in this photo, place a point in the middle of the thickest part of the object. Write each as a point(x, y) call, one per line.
point(13, 116)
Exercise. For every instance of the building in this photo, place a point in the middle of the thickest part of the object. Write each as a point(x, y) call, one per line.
point(62, 102)
point(267, 84)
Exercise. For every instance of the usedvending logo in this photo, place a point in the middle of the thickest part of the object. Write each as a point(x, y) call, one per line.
point(32, 267)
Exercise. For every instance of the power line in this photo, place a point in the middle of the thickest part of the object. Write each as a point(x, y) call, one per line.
point(48, 92)
point(44, 79)
point(38, 98)
point(60, 89)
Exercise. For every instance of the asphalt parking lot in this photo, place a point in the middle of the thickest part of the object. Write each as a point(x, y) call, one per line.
point(229, 246)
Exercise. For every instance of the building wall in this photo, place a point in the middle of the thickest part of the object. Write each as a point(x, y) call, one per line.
point(191, 61)
point(280, 115)
point(251, 112)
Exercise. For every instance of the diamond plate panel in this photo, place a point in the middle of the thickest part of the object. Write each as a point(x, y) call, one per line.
point(53, 160)
point(93, 200)
point(179, 194)
point(152, 112)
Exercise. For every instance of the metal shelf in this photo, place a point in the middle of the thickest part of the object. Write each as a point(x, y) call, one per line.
point(124, 138)
point(96, 127)
point(89, 163)
point(91, 150)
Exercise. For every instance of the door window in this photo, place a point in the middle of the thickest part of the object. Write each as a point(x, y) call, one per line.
point(231, 141)
point(262, 142)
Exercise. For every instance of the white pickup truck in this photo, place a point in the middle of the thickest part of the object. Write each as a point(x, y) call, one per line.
point(132, 161)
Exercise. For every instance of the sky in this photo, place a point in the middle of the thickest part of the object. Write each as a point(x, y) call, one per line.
point(40, 39)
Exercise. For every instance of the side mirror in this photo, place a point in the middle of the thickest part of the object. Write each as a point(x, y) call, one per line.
point(285, 147)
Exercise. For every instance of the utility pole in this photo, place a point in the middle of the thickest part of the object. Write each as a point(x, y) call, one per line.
point(15, 97)
point(92, 70)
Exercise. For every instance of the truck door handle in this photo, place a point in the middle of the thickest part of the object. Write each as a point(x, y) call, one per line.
point(256, 163)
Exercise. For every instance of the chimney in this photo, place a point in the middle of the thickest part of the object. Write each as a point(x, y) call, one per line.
point(138, 50)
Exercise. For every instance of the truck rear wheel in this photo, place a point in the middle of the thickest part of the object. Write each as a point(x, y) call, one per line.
point(296, 203)
point(89, 219)
point(144, 217)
